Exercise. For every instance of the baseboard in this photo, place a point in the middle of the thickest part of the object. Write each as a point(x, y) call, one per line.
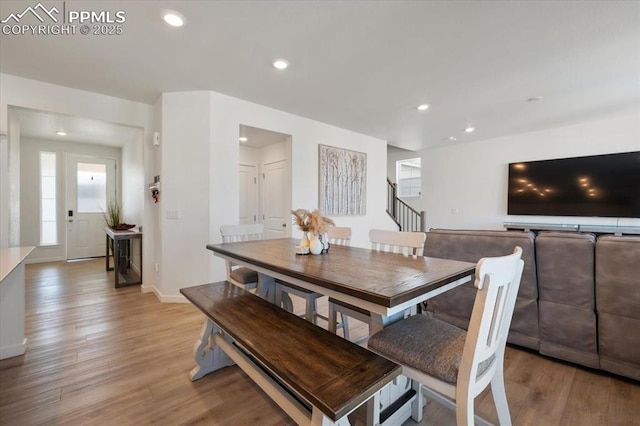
point(164, 298)
point(13, 350)
point(29, 261)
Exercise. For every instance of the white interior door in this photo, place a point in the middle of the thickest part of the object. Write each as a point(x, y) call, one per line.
point(248, 195)
point(275, 214)
point(91, 183)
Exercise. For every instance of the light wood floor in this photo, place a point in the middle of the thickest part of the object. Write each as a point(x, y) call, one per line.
point(98, 355)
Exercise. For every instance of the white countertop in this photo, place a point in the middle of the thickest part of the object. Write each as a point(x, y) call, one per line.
point(11, 257)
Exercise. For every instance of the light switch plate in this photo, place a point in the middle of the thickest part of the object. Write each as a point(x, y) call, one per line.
point(173, 214)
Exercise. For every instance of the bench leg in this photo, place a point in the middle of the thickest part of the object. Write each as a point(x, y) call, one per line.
point(209, 357)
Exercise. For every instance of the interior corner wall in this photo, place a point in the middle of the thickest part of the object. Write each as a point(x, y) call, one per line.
point(200, 184)
point(152, 231)
point(395, 154)
point(33, 94)
point(306, 136)
point(465, 185)
point(13, 147)
point(185, 182)
point(4, 191)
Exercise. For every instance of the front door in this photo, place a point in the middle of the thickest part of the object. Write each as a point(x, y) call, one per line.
point(276, 217)
point(91, 184)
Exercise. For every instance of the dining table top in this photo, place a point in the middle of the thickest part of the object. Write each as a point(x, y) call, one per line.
point(385, 279)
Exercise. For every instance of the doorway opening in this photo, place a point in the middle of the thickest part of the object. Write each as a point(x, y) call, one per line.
point(265, 180)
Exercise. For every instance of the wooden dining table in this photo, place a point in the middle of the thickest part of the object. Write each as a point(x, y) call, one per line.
point(387, 285)
point(382, 283)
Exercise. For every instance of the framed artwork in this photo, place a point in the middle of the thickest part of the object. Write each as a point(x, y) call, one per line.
point(343, 181)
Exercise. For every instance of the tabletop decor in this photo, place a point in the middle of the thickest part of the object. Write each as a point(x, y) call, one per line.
point(343, 181)
point(314, 231)
point(113, 217)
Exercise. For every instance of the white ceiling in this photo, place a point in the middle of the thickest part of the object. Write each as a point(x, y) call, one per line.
point(44, 125)
point(259, 138)
point(363, 66)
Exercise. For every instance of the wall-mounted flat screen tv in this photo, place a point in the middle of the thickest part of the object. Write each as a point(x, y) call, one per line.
point(598, 185)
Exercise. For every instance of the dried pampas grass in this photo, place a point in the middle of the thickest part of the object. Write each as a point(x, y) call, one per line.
point(311, 221)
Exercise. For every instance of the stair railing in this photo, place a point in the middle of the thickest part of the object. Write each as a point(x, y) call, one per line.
point(406, 217)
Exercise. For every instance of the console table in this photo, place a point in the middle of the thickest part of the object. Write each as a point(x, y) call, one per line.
point(120, 244)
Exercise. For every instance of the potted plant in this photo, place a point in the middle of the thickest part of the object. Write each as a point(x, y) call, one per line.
point(113, 216)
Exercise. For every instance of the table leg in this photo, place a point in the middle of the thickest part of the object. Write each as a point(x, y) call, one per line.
point(266, 287)
point(107, 246)
point(208, 356)
point(116, 262)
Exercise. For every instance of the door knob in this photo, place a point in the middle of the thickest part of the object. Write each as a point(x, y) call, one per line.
point(284, 225)
point(70, 220)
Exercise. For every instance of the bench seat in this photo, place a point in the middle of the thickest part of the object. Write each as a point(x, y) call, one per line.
point(328, 373)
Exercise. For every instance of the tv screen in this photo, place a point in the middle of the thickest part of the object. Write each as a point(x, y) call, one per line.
point(599, 185)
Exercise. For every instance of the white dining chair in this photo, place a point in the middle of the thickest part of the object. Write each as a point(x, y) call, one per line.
point(239, 275)
point(340, 235)
point(405, 243)
point(450, 365)
point(336, 235)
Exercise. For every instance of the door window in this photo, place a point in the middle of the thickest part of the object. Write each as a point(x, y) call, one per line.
point(48, 220)
point(92, 188)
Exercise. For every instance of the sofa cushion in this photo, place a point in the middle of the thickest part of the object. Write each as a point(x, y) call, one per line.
point(565, 268)
point(619, 345)
point(471, 246)
point(455, 306)
point(618, 276)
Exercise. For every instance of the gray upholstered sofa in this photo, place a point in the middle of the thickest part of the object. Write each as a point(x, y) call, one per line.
point(579, 297)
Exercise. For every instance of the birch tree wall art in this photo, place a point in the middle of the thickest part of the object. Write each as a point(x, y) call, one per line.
point(343, 182)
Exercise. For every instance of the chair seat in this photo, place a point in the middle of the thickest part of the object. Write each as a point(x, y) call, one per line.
point(244, 275)
point(425, 344)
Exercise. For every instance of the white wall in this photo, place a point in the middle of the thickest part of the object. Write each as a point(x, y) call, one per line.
point(21, 92)
point(395, 154)
point(471, 178)
point(306, 135)
point(4, 191)
point(30, 191)
point(200, 157)
point(250, 156)
point(152, 230)
point(186, 196)
point(12, 184)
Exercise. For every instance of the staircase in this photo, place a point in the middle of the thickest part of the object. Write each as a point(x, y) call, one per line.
point(407, 218)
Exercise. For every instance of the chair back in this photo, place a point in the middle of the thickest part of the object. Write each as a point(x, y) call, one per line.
point(340, 235)
point(407, 243)
point(497, 281)
point(237, 233)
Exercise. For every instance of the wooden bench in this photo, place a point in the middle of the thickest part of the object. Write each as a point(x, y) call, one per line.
point(315, 376)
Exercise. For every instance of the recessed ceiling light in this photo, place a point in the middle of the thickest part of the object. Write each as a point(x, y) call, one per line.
point(423, 107)
point(534, 98)
point(450, 138)
point(243, 139)
point(469, 129)
point(281, 64)
point(61, 133)
point(173, 18)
